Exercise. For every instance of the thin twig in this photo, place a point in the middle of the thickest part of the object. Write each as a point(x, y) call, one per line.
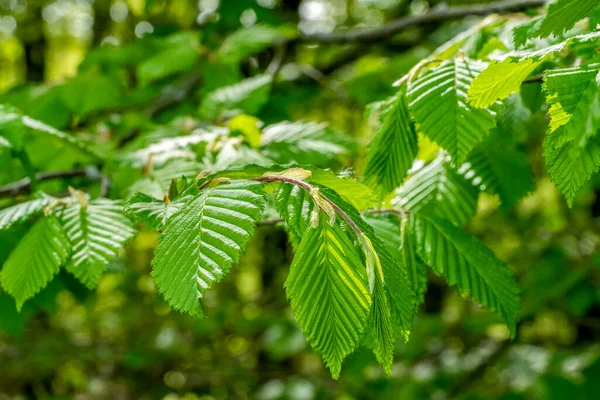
point(438, 15)
point(309, 188)
point(24, 185)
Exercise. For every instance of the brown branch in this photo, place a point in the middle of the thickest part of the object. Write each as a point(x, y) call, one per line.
point(24, 185)
point(396, 26)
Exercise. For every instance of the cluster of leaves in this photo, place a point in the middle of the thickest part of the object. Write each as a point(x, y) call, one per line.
point(361, 248)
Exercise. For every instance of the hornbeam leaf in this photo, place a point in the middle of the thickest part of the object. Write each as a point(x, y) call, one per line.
point(563, 14)
point(467, 263)
point(329, 294)
point(202, 241)
point(21, 212)
point(440, 189)
point(417, 273)
point(295, 206)
point(499, 80)
point(394, 147)
point(13, 123)
point(540, 54)
point(249, 95)
point(36, 259)
point(354, 192)
point(571, 163)
point(438, 102)
point(381, 327)
point(307, 143)
point(400, 297)
point(394, 234)
point(499, 166)
point(572, 148)
point(572, 94)
point(96, 232)
point(154, 212)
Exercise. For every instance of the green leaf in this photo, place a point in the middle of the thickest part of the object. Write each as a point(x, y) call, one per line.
point(417, 273)
point(571, 163)
point(438, 102)
point(571, 148)
point(307, 143)
point(203, 240)
point(329, 294)
point(168, 62)
point(562, 15)
point(397, 287)
point(295, 206)
point(96, 232)
point(526, 31)
point(21, 212)
point(248, 96)
point(393, 233)
point(247, 41)
point(439, 189)
point(539, 54)
point(154, 212)
point(13, 122)
point(40, 127)
point(393, 149)
point(572, 97)
point(36, 259)
point(85, 94)
point(381, 327)
point(499, 80)
point(352, 191)
point(468, 264)
point(499, 166)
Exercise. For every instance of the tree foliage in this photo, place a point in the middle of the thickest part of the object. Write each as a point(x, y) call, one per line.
point(209, 158)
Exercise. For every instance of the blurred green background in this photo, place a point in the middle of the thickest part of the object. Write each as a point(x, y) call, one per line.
point(121, 340)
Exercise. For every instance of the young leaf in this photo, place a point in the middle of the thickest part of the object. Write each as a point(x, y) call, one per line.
point(381, 327)
point(438, 102)
point(295, 206)
point(154, 212)
point(21, 212)
point(468, 264)
point(394, 234)
point(572, 95)
point(499, 167)
point(571, 148)
point(563, 14)
point(36, 259)
point(400, 297)
point(571, 163)
point(249, 96)
point(203, 240)
point(499, 80)
point(307, 143)
point(96, 232)
point(354, 192)
point(328, 291)
point(394, 147)
point(441, 190)
point(417, 273)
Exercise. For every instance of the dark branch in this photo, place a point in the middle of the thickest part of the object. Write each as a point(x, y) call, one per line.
point(395, 26)
point(24, 185)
